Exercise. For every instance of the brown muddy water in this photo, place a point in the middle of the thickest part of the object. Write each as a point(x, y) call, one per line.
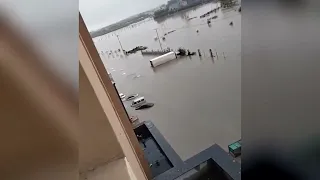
point(197, 100)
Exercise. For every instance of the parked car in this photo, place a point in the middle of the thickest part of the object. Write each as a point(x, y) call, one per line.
point(131, 97)
point(138, 101)
point(145, 106)
point(134, 119)
point(122, 96)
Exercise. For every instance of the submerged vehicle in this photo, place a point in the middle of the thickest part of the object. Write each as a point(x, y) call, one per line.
point(134, 118)
point(138, 101)
point(145, 106)
point(122, 96)
point(131, 97)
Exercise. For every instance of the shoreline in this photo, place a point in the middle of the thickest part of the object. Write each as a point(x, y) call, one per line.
point(184, 9)
point(117, 26)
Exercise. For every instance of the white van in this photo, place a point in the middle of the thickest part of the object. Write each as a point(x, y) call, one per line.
point(138, 101)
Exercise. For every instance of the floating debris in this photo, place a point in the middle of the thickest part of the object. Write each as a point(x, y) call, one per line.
point(231, 23)
point(169, 32)
point(138, 48)
point(136, 76)
point(124, 73)
point(191, 53)
point(197, 31)
point(181, 52)
point(191, 18)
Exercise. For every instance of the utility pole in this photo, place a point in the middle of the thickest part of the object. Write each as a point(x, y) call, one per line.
point(158, 38)
point(120, 43)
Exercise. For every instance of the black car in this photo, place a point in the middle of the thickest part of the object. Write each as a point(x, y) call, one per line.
point(145, 106)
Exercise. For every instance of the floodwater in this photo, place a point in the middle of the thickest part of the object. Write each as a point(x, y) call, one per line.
point(197, 100)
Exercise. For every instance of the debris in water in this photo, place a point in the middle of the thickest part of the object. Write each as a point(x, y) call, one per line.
point(181, 52)
point(197, 31)
point(231, 23)
point(136, 49)
point(136, 76)
point(191, 18)
point(124, 73)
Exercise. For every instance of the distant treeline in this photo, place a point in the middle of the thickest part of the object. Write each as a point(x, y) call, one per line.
point(155, 14)
point(120, 24)
point(166, 11)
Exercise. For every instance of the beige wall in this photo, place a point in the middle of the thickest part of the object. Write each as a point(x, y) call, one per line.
point(98, 143)
point(116, 170)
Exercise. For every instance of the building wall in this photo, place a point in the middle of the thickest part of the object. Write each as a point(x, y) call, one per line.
point(98, 143)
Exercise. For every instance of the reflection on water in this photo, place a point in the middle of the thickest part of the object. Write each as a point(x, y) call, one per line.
point(197, 100)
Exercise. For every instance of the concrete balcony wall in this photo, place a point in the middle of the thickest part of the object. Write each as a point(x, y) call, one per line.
point(98, 143)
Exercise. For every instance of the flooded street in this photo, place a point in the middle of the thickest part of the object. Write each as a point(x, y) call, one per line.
point(197, 100)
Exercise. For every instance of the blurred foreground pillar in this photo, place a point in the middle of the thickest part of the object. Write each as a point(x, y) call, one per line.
point(49, 131)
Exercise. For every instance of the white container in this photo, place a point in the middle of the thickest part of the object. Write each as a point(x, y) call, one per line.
point(162, 59)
